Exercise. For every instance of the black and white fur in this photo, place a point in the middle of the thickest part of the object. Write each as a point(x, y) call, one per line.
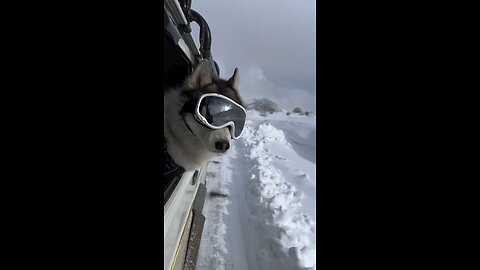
point(189, 143)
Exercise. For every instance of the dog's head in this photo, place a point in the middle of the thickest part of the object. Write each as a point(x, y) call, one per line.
point(200, 82)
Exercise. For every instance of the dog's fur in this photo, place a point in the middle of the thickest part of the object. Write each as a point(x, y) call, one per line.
point(191, 150)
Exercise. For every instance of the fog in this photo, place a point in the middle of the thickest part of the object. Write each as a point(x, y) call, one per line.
point(272, 42)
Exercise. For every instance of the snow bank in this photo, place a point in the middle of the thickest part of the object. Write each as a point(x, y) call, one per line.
point(265, 215)
point(213, 247)
point(286, 234)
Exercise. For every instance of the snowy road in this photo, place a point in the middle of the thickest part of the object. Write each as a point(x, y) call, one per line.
point(260, 205)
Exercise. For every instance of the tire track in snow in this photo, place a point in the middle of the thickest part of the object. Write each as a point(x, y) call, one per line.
point(213, 248)
point(226, 248)
point(242, 255)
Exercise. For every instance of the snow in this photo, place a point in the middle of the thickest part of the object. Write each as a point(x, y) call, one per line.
point(260, 207)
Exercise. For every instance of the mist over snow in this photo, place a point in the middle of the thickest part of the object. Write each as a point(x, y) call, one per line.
point(272, 42)
point(255, 85)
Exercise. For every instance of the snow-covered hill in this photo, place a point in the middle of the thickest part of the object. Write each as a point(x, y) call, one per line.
point(260, 206)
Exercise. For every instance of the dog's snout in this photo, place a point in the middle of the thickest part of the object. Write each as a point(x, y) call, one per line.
point(222, 146)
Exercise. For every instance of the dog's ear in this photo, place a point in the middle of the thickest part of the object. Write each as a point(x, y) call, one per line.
point(234, 80)
point(201, 76)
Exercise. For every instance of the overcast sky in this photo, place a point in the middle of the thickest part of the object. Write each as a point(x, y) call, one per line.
point(272, 42)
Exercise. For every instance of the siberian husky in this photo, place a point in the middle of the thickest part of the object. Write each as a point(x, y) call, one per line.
point(189, 142)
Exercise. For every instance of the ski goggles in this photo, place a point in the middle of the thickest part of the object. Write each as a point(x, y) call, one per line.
point(217, 111)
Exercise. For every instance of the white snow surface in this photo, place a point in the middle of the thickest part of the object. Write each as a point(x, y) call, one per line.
point(260, 205)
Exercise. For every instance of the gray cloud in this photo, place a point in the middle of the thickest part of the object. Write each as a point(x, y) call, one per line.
point(272, 42)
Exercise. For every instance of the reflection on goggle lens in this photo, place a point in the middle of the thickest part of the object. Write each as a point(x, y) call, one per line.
point(219, 111)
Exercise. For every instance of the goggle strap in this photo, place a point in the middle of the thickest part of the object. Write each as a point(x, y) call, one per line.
point(190, 106)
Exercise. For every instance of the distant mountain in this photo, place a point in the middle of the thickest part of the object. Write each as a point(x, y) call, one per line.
point(263, 105)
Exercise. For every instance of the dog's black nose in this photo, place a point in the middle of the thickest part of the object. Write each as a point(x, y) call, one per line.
point(222, 146)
